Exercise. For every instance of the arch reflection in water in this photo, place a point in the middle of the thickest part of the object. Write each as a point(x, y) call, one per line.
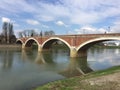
point(34, 56)
point(76, 67)
point(37, 57)
point(61, 63)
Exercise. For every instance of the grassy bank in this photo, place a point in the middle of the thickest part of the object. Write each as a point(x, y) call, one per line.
point(85, 82)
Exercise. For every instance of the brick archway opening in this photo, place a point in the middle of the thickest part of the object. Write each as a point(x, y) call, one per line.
point(19, 42)
point(50, 43)
point(82, 49)
point(31, 43)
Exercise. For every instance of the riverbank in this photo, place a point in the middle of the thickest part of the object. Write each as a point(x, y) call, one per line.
point(108, 79)
point(10, 46)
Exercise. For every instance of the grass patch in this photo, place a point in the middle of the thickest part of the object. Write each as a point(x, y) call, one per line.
point(103, 72)
point(76, 84)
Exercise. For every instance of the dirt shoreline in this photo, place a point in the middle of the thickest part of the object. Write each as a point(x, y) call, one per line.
point(13, 46)
point(108, 79)
point(106, 82)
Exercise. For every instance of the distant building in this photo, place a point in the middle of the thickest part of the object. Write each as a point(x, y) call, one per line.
point(112, 43)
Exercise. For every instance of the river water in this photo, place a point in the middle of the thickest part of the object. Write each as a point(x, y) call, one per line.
point(23, 70)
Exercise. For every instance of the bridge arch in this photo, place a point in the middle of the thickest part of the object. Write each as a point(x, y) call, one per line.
point(88, 44)
point(30, 41)
point(51, 40)
point(19, 41)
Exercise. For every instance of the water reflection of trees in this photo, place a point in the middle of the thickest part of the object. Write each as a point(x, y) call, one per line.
point(6, 59)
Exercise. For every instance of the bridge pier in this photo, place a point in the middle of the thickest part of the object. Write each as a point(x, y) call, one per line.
point(23, 46)
point(40, 48)
point(26, 48)
point(73, 52)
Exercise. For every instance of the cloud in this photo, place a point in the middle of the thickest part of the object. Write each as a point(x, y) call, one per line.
point(45, 26)
point(5, 19)
point(84, 18)
point(61, 23)
point(45, 18)
point(13, 6)
point(16, 25)
point(115, 28)
point(81, 12)
point(73, 12)
point(90, 30)
point(32, 22)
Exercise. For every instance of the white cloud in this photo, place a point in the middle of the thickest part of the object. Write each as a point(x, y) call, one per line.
point(61, 23)
point(5, 19)
point(44, 26)
point(84, 18)
point(45, 18)
point(32, 22)
point(116, 27)
point(90, 30)
point(117, 22)
point(80, 12)
point(13, 6)
point(92, 11)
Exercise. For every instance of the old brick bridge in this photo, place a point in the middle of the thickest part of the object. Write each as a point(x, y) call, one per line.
point(78, 44)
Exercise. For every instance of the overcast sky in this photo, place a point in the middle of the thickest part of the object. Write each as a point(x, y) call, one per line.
point(62, 16)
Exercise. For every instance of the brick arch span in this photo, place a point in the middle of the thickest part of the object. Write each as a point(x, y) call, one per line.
point(49, 41)
point(86, 45)
point(19, 41)
point(30, 41)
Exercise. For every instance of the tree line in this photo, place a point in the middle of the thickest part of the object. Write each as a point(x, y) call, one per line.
point(7, 35)
point(33, 33)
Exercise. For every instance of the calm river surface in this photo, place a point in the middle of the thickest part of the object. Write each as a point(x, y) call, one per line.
point(22, 70)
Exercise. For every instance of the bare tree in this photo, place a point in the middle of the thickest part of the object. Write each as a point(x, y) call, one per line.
point(20, 34)
point(49, 33)
point(4, 32)
point(8, 33)
point(11, 33)
point(28, 33)
point(32, 33)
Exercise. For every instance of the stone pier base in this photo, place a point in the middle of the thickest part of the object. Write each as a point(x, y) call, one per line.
point(75, 53)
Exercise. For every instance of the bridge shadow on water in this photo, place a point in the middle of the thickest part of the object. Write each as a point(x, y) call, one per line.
point(76, 67)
